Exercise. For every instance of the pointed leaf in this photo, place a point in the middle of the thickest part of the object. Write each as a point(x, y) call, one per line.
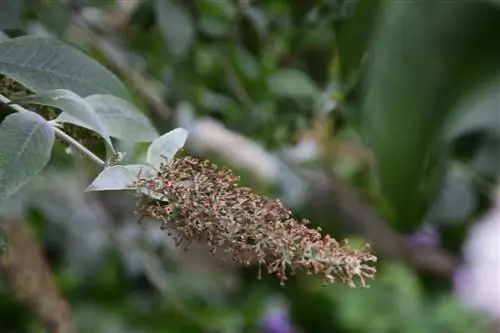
point(175, 25)
point(119, 177)
point(26, 141)
point(73, 105)
point(120, 119)
point(414, 84)
point(42, 63)
point(166, 146)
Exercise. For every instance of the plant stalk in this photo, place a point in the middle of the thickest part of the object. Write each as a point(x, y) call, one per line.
point(60, 133)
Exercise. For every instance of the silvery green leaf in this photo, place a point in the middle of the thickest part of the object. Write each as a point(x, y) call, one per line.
point(26, 141)
point(73, 105)
point(120, 177)
point(119, 118)
point(41, 64)
point(166, 146)
point(175, 26)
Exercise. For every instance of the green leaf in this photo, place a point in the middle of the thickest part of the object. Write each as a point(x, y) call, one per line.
point(354, 37)
point(10, 14)
point(175, 25)
point(246, 62)
point(427, 55)
point(258, 18)
point(166, 146)
point(119, 177)
point(487, 159)
point(480, 113)
point(73, 105)
point(292, 83)
point(42, 64)
point(119, 118)
point(55, 16)
point(457, 200)
point(26, 143)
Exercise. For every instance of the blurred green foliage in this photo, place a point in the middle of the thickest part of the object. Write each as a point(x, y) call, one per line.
point(395, 74)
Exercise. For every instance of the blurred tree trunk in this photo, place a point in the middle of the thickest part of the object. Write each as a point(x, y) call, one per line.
point(30, 279)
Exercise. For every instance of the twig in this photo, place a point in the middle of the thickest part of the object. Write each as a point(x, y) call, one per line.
point(237, 87)
point(330, 196)
point(119, 63)
point(59, 133)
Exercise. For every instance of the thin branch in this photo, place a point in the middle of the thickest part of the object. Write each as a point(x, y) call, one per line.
point(59, 133)
point(330, 196)
point(119, 63)
point(237, 87)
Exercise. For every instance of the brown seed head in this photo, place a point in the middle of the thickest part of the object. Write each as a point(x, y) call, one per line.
point(202, 202)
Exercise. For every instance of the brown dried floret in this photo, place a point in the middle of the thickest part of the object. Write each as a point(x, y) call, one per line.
point(202, 202)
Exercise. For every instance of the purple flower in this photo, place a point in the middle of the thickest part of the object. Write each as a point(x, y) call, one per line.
point(425, 236)
point(276, 320)
point(477, 281)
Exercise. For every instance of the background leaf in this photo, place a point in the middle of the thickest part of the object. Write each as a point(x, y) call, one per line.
point(119, 177)
point(41, 64)
point(119, 118)
point(166, 146)
point(414, 84)
point(479, 113)
point(73, 105)
point(457, 199)
point(10, 14)
point(354, 37)
point(292, 83)
point(175, 26)
point(26, 143)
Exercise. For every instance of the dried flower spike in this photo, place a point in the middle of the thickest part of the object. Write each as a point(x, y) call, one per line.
point(202, 202)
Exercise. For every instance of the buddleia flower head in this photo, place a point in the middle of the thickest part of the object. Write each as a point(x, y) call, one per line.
point(202, 202)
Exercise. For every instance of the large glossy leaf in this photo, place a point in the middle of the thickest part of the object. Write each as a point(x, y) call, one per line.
point(119, 118)
point(73, 105)
point(175, 25)
point(26, 141)
point(427, 55)
point(41, 64)
point(166, 146)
